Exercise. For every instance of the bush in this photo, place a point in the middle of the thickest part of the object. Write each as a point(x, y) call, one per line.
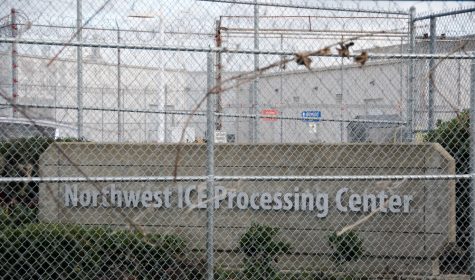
point(454, 136)
point(17, 215)
point(347, 246)
point(40, 251)
point(261, 251)
point(20, 158)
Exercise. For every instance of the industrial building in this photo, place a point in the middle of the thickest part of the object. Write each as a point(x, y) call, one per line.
point(128, 102)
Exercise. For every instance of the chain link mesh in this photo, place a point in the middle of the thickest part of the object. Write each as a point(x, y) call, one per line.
point(228, 139)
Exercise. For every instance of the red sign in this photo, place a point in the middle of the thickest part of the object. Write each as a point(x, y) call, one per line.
point(268, 114)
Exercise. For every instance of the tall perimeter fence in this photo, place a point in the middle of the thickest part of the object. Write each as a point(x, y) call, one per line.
point(236, 140)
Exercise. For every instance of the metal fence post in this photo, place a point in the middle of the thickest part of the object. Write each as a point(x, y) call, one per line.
point(281, 90)
point(210, 128)
point(119, 96)
point(432, 42)
point(253, 122)
point(165, 121)
point(472, 170)
point(14, 64)
point(219, 70)
point(340, 97)
point(410, 93)
point(79, 67)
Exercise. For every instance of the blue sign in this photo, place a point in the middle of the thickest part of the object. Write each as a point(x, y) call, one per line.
point(311, 116)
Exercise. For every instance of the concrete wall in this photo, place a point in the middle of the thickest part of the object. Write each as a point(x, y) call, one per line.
point(396, 242)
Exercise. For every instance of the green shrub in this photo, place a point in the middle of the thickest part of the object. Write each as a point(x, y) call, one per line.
point(347, 246)
point(40, 251)
point(226, 274)
point(261, 249)
point(17, 215)
point(20, 158)
point(18, 200)
point(454, 136)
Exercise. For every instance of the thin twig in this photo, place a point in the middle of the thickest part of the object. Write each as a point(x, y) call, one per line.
point(370, 215)
point(430, 76)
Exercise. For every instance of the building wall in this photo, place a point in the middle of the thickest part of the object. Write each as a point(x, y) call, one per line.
point(339, 92)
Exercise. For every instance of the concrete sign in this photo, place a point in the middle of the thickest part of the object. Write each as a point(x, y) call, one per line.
point(415, 220)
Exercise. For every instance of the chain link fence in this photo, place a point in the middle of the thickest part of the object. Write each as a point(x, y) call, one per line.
point(227, 139)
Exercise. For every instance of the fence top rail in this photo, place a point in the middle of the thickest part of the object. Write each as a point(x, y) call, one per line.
point(220, 50)
point(450, 13)
point(234, 178)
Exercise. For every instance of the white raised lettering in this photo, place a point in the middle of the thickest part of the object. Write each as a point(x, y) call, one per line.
point(167, 193)
point(307, 200)
point(187, 197)
point(296, 199)
point(220, 195)
point(131, 198)
point(104, 202)
point(180, 197)
point(252, 201)
point(146, 198)
point(394, 203)
point(369, 203)
point(231, 196)
point(242, 200)
point(71, 196)
point(321, 202)
point(277, 201)
point(95, 195)
point(407, 202)
point(382, 196)
point(202, 195)
point(338, 199)
point(85, 198)
point(116, 197)
point(288, 204)
point(158, 200)
point(355, 202)
point(266, 201)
